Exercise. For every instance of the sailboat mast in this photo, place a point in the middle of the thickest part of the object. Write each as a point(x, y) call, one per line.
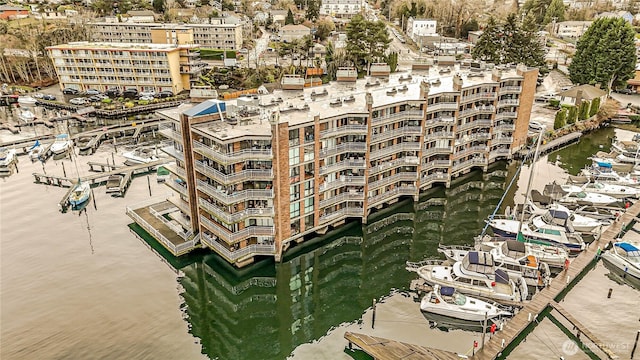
point(533, 165)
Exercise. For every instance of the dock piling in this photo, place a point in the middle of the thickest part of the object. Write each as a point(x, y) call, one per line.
point(149, 185)
point(635, 345)
point(373, 318)
point(64, 171)
point(609, 294)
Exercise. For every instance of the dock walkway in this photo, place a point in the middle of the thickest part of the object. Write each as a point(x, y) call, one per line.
point(381, 348)
point(516, 325)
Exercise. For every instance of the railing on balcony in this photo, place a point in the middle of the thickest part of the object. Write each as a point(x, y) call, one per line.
point(437, 150)
point(342, 197)
point(431, 178)
point(345, 147)
point(477, 110)
point(479, 96)
point(344, 180)
point(343, 165)
point(173, 152)
point(343, 130)
point(473, 149)
point(182, 189)
point(234, 157)
point(176, 170)
point(505, 127)
point(232, 256)
point(506, 89)
point(405, 190)
point(502, 140)
point(231, 218)
point(499, 152)
point(388, 165)
point(252, 174)
point(236, 236)
point(413, 114)
point(441, 120)
point(436, 164)
point(509, 102)
point(439, 135)
point(469, 163)
point(176, 249)
point(394, 149)
point(452, 106)
point(403, 176)
point(402, 131)
point(234, 197)
point(349, 211)
point(476, 123)
point(506, 115)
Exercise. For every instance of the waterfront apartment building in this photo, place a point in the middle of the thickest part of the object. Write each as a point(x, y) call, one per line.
point(88, 65)
point(208, 36)
point(341, 9)
point(256, 176)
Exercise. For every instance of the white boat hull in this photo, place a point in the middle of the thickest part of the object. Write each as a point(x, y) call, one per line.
point(458, 312)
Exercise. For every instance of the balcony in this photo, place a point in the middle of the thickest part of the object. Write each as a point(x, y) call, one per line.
point(409, 114)
point(450, 106)
point(439, 135)
point(350, 211)
point(469, 163)
point(495, 153)
point(180, 204)
point(437, 150)
point(473, 137)
point(432, 178)
point(404, 190)
point(506, 115)
point(394, 149)
point(343, 165)
point(472, 150)
point(176, 170)
point(502, 140)
point(474, 124)
point(234, 197)
point(232, 218)
point(477, 110)
point(344, 130)
point(342, 197)
point(436, 164)
point(234, 157)
point(345, 147)
point(173, 152)
point(505, 127)
point(344, 180)
point(510, 89)
point(233, 256)
point(403, 176)
point(441, 120)
point(403, 131)
point(508, 102)
point(253, 174)
point(388, 165)
point(480, 96)
point(236, 236)
point(181, 189)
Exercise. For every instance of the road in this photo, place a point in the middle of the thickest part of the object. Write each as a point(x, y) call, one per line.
point(258, 50)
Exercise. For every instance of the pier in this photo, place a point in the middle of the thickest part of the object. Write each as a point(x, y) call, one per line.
point(381, 348)
point(553, 145)
point(134, 129)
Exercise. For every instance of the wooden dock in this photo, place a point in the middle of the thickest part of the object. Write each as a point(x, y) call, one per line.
point(554, 144)
point(381, 348)
point(134, 129)
point(549, 295)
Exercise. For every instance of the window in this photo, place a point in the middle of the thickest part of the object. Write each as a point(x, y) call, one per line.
point(308, 188)
point(294, 156)
point(294, 137)
point(308, 153)
point(309, 222)
point(308, 206)
point(294, 192)
point(294, 210)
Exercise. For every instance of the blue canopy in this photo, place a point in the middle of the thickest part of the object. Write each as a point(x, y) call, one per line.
point(604, 164)
point(447, 291)
point(626, 247)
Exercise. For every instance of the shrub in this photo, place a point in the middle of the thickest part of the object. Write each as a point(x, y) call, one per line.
point(573, 115)
point(584, 110)
point(595, 106)
point(129, 104)
point(560, 120)
point(554, 103)
point(107, 101)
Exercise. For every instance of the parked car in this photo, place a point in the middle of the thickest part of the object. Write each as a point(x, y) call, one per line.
point(70, 91)
point(92, 92)
point(164, 94)
point(38, 95)
point(536, 126)
point(112, 92)
point(145, 98)
point(94, 98)
point(78, 101)
point(150, 93)
point(48, 97)
point(625, 91)
point(130, 93)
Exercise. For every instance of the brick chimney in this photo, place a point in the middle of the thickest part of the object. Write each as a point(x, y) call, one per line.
point(424, 89)
point(369, 100)
point(457, 82)
point(579, 98)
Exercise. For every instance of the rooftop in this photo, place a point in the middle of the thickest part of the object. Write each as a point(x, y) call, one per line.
point(128, 46)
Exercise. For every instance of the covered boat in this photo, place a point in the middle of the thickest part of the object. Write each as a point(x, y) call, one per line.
point(446, 301)
point(625, 257)
point(61, 145)
point(80, 194)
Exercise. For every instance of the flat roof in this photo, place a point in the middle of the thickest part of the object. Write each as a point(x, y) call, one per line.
point(113, 45)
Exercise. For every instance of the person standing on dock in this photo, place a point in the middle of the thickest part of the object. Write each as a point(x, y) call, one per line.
point(566, 265)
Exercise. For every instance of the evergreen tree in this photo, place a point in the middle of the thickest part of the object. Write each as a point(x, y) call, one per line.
point(573, 115)
point(605, 54)
point(595, 106)
point(366, 40)
point(584, 110)
point(158, 6)
point(392, 60)
point(324, 27)
point(471, 25)
point(313, 10)
point(289, 19)
point(488, 46)
point(536, 8)
point(560, 119)
point(554, 11)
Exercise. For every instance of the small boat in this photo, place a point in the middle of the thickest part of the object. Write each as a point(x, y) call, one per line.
point(140, 156)
point(27, 100)
point(554, 256)
point(603, 172)
point(27, 116)
point(80, 194)
point(613, 190)
point(572, 194)
point(561, 215)
point(475, 275)
point(61, 145)
point(625, 257)
point(446, 301)
point(113, 183)
point(7, 157)
point(162, 174)
point(37, 151)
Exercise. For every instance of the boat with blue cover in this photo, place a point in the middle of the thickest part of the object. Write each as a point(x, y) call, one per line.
point(80, 194)
point(625, 257)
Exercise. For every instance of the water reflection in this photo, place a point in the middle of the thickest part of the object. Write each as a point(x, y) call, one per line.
point(269, 310)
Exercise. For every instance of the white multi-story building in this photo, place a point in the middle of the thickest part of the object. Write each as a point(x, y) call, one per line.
point(341, 9)
point(571, 29)
point(417, 28)
point(208, 36)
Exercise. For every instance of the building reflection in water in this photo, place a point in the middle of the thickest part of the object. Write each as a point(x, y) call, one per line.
point(269, 309)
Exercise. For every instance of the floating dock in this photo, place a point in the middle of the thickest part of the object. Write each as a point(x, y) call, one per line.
point(554, 144)
point(381, 348)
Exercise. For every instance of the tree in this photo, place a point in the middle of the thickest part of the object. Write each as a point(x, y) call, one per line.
point(366, 40)
point(313, 10)
point(555, 12)
point(573, 115)
point(584, 110)
point(536, 8)
point(324, 28)
point(605, 54)
point(560, 120)
point(158, 6)
point(392, 60)
point(488, 46)
point(471, 25)
point(289, 19)
point(595, 106)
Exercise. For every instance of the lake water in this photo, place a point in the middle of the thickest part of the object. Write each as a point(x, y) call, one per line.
point(82, 286)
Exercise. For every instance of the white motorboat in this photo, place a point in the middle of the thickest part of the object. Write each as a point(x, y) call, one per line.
point(446, 301)
point(27, 116)
point(7, 157)
point(553, 256)
point(37, 151)
point(613, 190)
point(27, 100)
point(475, 275)
point(140, 156)
point(561, 215)
point(61, 145)
point(510, 257)
point(627, 151)
point(625, 257)
point(605, 173)
point(80, 194)
point(572, 194)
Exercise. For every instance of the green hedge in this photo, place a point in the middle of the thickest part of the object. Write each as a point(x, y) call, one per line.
point(216, 54)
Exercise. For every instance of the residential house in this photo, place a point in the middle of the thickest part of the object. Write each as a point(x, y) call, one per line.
point(419, 28)
point(140, 16)
point(634, 83)
point(341, 10)
point(627, 16)
point(290, 33)
point(10, 12)
point(579, 93)
point(571, 29)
